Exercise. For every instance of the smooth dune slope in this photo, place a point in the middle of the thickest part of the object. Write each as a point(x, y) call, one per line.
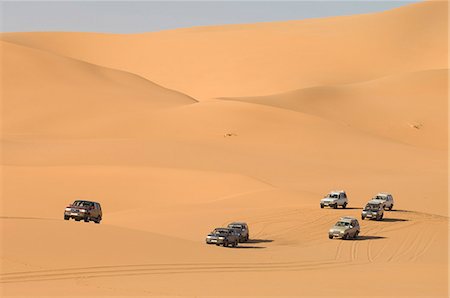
point(68, 97)
point(267, 58)
point(411, 108)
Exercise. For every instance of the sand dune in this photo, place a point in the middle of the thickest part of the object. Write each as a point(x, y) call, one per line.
point(410, 108)
point(267, 58)
point(69, 97)
point(281, 148)
point(82, 119)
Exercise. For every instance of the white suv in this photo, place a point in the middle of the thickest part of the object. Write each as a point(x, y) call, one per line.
point(335, 199)
point(386, 198)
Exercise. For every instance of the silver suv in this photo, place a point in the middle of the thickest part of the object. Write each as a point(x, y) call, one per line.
point(374, 210)
point(387, 198)
point(223, 236)
point(335, 199)
point(84, 210)
point(346, 227)
point(242, 229)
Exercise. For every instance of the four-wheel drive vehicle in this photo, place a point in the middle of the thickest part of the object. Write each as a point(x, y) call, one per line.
point(242, 229)
point(387, 198)
point(335, 199)
point(224, 236)
point(84, 210)
point(374, 210)
point(346, 227)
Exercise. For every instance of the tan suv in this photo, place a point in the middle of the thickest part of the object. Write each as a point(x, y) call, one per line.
point(84, 210)
point(346, 227)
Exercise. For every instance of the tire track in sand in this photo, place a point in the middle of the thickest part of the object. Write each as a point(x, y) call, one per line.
point(151, 269)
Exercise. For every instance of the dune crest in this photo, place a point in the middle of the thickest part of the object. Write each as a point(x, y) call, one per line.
point(410, 108)
point(45, 93)
point(267, 58)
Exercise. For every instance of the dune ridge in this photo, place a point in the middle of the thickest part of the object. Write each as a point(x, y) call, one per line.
point(73, 94)
point(411, 108)
point(267, 58)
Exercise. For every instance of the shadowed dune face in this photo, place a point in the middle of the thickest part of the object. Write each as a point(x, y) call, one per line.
point(356, 103)
point(43, 93)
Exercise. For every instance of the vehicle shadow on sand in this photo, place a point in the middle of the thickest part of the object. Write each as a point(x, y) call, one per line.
point(258, 241)
point(393, 219)
point(347, 208)
point(254, 241)
point(249, 247)
point(365, 237)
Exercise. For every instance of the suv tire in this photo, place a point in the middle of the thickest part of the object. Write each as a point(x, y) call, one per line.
point(344, 205)
point(356, 235)
point(331, 237)
point(66, 217)
point(225, 243)
point(86, 219)
point(321, 205)
point(390, 207)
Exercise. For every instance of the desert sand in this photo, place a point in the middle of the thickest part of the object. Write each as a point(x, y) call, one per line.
point(181, 131)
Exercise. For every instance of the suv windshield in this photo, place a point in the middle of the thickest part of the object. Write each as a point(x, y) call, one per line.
point(82, 204)
point(372, 207)
point(236, 226)
point(333, 195)
point(342, 224)
point(220, 232)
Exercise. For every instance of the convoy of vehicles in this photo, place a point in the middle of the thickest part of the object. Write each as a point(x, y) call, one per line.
point(346, 227)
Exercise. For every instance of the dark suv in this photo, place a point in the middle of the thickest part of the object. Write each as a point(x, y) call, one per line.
point(374, 210)
point(84, 210)
point(223, 236)
point(242, 229)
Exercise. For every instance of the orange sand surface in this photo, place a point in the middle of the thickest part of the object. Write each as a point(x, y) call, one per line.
point(181, 131)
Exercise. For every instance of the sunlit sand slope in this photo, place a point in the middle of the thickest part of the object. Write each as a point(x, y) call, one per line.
point(410, 108)
point(267, 58)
